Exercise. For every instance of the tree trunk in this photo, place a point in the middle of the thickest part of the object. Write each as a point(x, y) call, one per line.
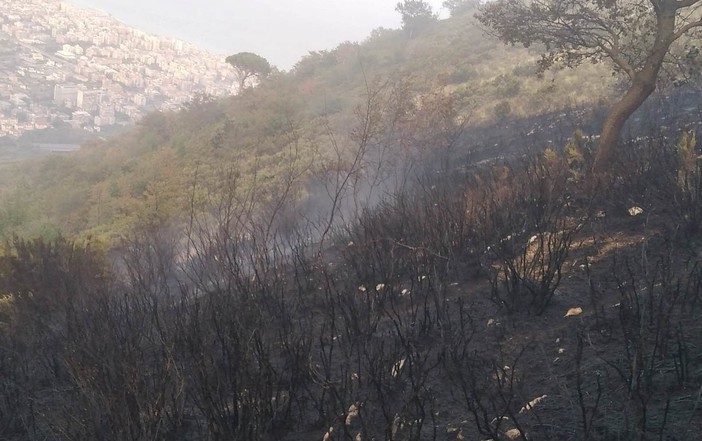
point(617, 116)
point(643, 85)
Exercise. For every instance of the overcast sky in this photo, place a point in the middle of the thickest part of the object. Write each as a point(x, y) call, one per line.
point(280, 30)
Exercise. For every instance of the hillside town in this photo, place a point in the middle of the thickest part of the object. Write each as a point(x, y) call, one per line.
point(63, 66)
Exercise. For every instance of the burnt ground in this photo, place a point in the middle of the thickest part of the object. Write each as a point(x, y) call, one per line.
point(513, 138)
point(623, 301)
point(616, 354)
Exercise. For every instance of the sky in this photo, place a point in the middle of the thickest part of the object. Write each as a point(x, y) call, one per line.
point(282, 31)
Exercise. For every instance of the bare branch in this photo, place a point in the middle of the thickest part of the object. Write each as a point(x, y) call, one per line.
point(685, 28)
point(679, 4)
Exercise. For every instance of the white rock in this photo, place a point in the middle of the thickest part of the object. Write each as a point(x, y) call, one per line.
point(574, 311)
point(635, 211)
point(513, 434)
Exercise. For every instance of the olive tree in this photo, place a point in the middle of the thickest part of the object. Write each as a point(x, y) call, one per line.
point(635, 36)
point(249, 65)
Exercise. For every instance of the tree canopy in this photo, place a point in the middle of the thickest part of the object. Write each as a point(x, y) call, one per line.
point(249, 65)
point(457, 7)
point(635, 36)
point(416, 14)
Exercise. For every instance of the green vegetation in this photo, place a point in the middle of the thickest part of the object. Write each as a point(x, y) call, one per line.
point(112, 185)
point(249, 66)
point(416, 15)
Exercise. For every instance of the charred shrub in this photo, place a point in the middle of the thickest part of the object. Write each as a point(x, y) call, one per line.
point(525, 219)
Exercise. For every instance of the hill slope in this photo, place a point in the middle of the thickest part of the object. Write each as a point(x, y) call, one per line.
point(291, 269)
point(452, 68)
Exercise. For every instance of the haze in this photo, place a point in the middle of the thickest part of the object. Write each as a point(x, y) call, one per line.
point(281, 30)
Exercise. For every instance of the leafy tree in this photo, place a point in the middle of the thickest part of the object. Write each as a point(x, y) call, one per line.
point(416, 14)
point(249, 65)
point(458, 7)
point(636, 36)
